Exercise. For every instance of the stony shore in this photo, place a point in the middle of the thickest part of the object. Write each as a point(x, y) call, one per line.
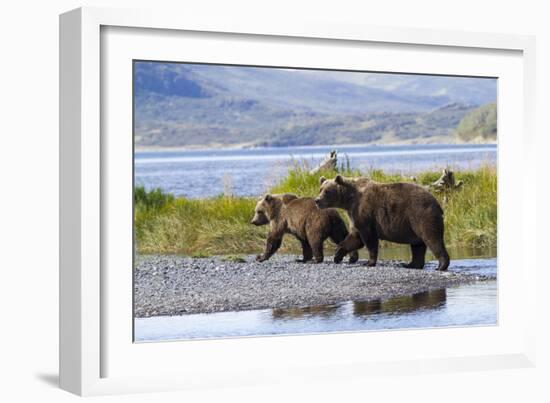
point(176, 285)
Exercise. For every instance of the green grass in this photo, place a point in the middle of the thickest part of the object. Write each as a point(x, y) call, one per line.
point(221, 225)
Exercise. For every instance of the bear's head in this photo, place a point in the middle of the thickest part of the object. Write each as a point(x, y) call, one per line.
point(335, 192)
point(266, 209)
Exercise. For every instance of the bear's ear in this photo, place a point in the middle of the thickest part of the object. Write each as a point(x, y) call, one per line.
point(342, 181)
point(339, 179)
point(322, 179)
point(268, 197)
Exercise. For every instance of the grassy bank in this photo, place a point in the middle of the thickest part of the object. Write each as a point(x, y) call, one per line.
point(220, 225)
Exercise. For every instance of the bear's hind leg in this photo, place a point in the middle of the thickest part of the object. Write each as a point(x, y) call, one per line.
point(317, 249)
point(431, 230)
point(307, 253)
point(418, 256)
point(439, 251)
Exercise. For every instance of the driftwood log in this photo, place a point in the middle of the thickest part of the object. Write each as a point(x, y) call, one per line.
point(446, 182)
point(328, 164)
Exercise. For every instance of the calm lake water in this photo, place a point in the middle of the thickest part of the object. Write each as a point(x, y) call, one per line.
point(250, 172)
point(466, 305)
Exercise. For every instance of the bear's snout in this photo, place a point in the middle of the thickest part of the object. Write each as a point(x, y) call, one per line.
point(259, 219)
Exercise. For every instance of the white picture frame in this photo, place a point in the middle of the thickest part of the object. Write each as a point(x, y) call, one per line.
point(93, 338)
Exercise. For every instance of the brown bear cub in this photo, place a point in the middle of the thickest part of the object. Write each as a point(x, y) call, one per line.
point(396, 212)
point(289, 214)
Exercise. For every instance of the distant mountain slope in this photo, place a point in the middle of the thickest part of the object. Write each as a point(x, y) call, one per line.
point(479, 125)
point(187, 105)
point(466, 90)
point(372, 128)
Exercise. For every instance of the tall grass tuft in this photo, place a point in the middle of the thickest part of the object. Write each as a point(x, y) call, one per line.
point(471, 213)
point(151, 200)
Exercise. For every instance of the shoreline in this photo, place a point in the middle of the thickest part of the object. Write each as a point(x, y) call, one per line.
point(172, 285)
point(249, 146)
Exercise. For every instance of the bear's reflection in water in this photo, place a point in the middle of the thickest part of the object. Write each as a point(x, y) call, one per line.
point(300, 312)
point(409, 303)
point(422, 300)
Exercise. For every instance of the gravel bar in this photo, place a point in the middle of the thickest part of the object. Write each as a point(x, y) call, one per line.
point(177, 285)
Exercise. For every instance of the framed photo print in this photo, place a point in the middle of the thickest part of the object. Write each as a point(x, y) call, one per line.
point(257, 193)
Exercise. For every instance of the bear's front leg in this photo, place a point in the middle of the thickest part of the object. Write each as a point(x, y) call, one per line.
point(272, 245)
point(352, 243)
point(371, 242)
point(353, 257)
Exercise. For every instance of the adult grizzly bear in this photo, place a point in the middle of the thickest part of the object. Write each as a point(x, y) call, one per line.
point(288, 214)
point(396, 212)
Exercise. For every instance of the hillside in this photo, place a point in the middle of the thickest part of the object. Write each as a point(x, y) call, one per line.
point(183, 105)
point(479, 125)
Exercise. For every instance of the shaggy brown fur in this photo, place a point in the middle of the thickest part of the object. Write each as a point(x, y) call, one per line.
point(396, 212)
point(288, 214)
